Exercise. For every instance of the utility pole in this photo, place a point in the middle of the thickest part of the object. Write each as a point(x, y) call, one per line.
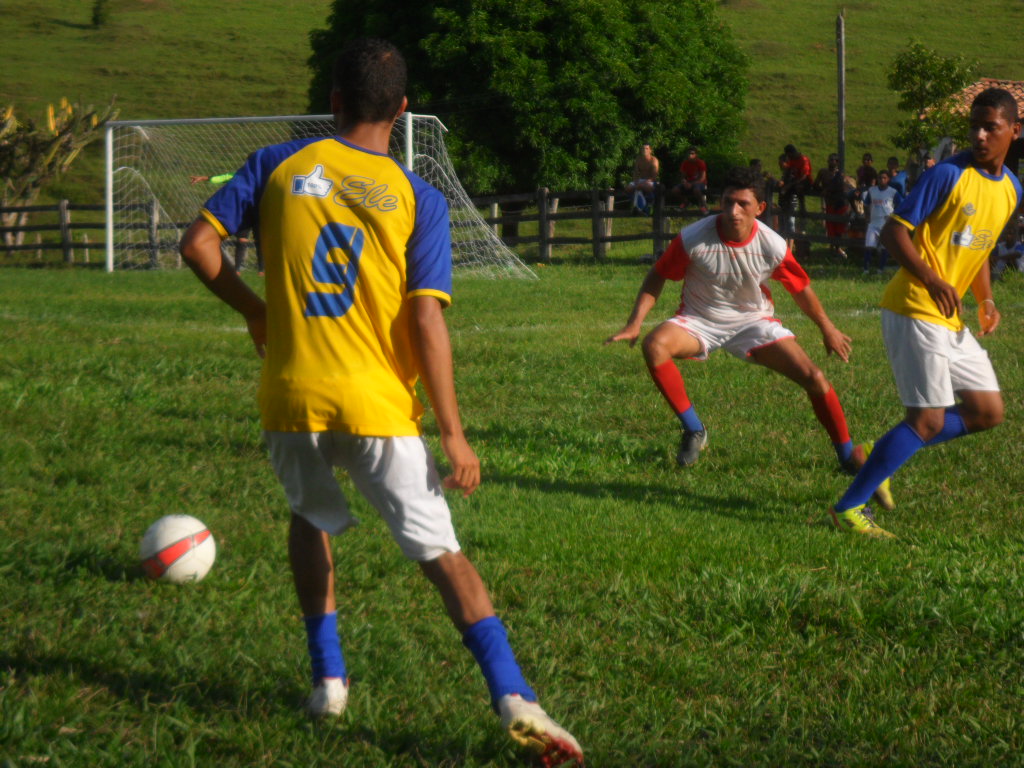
point(841, 63)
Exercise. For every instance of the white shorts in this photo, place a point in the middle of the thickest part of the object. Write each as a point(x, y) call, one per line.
point(397, 475)
point(931, 363)
point(740, 341)
point(871, 236)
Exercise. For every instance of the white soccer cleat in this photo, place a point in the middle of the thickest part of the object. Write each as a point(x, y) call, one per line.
point(328, 699)
point(532, 727)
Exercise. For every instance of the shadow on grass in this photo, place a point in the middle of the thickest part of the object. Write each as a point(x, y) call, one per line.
point(101, 563)
point(211, 698)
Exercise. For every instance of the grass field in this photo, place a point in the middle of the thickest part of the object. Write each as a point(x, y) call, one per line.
point(669, 618)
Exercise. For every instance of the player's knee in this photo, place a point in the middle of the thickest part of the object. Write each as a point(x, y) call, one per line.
point(654, 349)
point(814, 381)
point(990, 416)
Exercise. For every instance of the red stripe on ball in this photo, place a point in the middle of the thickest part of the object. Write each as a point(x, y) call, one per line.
point(157, 565)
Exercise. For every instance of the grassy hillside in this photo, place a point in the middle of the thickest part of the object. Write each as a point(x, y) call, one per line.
point(792, 46)
point(195, 59)
point(160, 59)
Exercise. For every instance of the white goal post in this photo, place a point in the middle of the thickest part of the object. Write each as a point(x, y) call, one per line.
point(150, 200)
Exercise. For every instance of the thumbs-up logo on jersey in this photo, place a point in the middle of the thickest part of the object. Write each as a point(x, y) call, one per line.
point(313, 184)
point(964, 238)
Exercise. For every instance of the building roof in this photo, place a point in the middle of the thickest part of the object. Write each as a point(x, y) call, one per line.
point(966, 96)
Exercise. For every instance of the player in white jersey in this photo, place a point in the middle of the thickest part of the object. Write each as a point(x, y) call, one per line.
point(725, 262)
point(879, 201)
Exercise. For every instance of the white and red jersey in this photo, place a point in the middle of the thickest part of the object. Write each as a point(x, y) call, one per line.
point(725, 282)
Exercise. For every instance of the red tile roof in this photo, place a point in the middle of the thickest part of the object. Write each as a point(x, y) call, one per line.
point(966, 96)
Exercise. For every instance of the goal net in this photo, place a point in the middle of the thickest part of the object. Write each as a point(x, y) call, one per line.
point(151, 199)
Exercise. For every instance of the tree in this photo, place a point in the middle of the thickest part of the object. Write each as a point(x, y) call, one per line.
point(31, 155)
point(927, 84)
point(560, 93)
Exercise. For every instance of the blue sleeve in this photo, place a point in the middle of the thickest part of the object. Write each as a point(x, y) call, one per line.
point(236, 204)
point(429, 250)
point(931, 191)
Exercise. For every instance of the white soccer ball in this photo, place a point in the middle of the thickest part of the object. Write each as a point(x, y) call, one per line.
point(177, 548)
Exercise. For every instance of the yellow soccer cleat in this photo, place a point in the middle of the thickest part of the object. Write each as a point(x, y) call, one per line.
point(859, 520)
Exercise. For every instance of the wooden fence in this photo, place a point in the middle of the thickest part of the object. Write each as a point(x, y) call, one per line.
point(14, 240)
point(600, 208)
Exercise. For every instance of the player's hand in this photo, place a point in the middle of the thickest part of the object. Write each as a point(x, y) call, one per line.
point(988, 317)
point(465, 474)
point(257, 325)
point(628, 333)
point(945, 297)
point(838, 342)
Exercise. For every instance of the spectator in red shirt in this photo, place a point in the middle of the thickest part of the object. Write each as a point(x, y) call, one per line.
point(694, 183)
point(798, 178)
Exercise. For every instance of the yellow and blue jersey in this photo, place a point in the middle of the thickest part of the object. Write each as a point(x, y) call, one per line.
point(348, 236)
point(956, 212)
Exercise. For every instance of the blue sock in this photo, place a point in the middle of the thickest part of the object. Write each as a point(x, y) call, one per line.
point(488, 642)
point(889, 454)
point(953, 428)
point(690, 421)
point(843, 451)
point(324, 647)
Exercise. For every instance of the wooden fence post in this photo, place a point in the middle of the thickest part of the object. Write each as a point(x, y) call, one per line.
point(64, 210)
point(544, 234)
point(658, 221)
point(609, 206)
point(154, 233)
point(494, 214)
point(596, 224)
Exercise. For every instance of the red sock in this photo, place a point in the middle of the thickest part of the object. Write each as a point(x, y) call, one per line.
point(669, 381)
point(830, 414)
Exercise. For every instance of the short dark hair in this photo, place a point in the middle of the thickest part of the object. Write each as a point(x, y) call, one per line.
point(370, 76)
point(998, 98)
point(789, 149)
point(892, 161)
point(739, 177)
point(867, 156)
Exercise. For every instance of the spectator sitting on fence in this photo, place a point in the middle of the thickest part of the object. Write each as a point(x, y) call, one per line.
point(645, 176)
point(694, 183)
point(798, 179)
point(836, 190)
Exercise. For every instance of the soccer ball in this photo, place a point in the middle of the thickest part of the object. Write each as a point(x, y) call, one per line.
point(177, 548)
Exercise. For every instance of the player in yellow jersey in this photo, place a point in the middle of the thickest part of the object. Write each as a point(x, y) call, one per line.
point(358, 270)
point(941, 236)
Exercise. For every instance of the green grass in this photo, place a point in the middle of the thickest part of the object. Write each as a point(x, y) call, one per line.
point(670, 618)
point(195, 59)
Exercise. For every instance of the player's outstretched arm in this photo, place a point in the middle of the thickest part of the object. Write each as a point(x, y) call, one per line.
point(895, 238)
point(988, 315)
point(434, 350)
point(200, 248)
point(834, 339)
point(650, 290)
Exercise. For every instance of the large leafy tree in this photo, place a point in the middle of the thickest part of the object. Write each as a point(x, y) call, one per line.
point(559, 93)
point(927, 84)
